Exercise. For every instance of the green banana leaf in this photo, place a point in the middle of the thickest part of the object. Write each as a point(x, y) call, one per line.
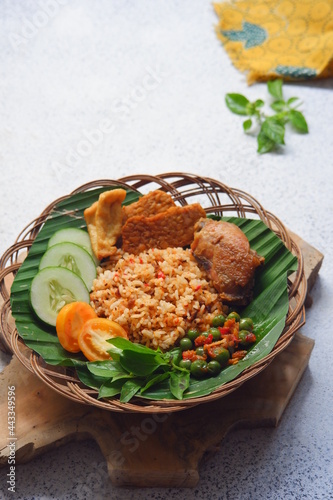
point(268, 308)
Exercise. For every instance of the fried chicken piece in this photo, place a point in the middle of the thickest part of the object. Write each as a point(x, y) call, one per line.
point(104, 220)
point(150, 204)
point(172, 228)
point(224, 252)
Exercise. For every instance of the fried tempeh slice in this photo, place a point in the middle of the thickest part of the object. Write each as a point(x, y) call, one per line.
point(104, 221)
point(172, 228)
point(150, 204)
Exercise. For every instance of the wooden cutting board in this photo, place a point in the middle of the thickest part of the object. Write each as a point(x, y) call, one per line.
point(159, 450)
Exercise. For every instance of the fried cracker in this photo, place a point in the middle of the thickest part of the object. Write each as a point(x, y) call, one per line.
point(104, 220)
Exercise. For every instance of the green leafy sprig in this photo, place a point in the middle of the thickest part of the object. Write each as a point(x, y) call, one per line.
point(271, 128)
point(135, 368)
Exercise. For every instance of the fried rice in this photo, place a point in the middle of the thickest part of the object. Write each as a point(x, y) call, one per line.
point(155, 296)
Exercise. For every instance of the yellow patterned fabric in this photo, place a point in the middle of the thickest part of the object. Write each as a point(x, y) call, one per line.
point(288, 39)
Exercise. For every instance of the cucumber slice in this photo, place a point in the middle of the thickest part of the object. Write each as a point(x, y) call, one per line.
point(72, 257)
point(54, 287)
point(73, 235)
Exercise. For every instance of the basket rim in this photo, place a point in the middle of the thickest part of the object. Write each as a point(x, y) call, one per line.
point(181, 186)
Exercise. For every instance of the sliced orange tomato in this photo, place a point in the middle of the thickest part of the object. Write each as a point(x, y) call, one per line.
point(70, 321)
point(94, 335)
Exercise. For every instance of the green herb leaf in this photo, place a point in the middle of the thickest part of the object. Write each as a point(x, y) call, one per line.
point(110, 389)
point(274, 130)
point(105, 369)
point(250, 109)
point(122, 376)
point(174, 356)
point(87, 378)
point(179, 382)
point(292, 100)
point(124, 344)
point(259, 103)
point(275, 88)
point(154, 380)
point(298, 121)
point(114, 352)
point(265, 144)
point(129, 389)
point(280, 118)
point(272, 127)
point(247, 125)
point(140, 364)
point(237, 103)
point(278, 106)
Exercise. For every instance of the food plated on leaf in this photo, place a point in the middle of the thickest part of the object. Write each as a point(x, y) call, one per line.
point(178, 303)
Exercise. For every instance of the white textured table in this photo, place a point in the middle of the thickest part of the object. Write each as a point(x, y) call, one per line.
point(93, 90)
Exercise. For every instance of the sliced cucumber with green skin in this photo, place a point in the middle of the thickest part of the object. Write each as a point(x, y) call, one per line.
point(73, 235)
point(72, 257)
point(54, 287)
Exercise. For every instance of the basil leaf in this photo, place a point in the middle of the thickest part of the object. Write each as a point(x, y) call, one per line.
point(129, 389)
point(250, 109)
point(179, 382)
point(88, 378)
point(110, 389)
point(237, 103)
point(292, 100)
point(106, 369)
point(274, 130)
point(278, 105)
point(174, 356)
point(247, 125)
point(140, 364)
point(298, 121)
point(121, 344)
point(280, 118)
point(264, 143)
point(259, 103)
point(153, 380)
point(121, 376)
point(275, 88)
point(114, 352)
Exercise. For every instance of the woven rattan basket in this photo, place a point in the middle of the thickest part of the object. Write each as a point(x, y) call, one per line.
point(216, 198)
